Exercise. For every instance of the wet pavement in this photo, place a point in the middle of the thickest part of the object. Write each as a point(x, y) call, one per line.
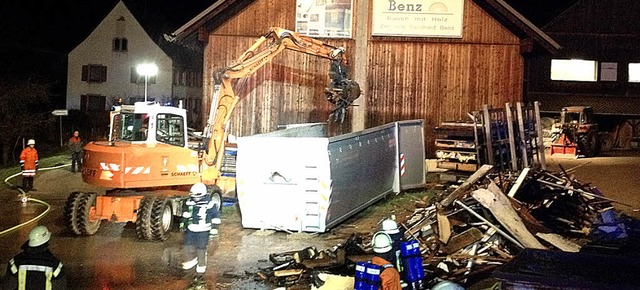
point(114, 259)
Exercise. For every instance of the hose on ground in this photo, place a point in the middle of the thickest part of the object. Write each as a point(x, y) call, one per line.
point(25, 198)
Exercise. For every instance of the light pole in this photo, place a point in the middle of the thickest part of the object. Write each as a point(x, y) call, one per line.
point(147, 70)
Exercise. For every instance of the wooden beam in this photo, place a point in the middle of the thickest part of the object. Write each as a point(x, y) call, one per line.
point(512, 138)
point(500, 206)
point(501, 232)
point(444, 227)
point(462, 240)
point(466, 185)
point(516, 186)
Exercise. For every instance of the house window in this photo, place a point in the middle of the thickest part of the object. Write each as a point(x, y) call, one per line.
point(94, 73)
point(574, 70)
point(120, 44)
point(92, 103)
point(139, 79)
point(634, 72)
point(170, 129)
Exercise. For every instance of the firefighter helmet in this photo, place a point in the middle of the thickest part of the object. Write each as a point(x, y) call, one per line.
point(38, 236)
point(31, 142)
point(381, 242)
point(198, 190)
point(390, 226)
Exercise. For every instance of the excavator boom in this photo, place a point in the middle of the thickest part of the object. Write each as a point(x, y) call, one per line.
point(341, 91)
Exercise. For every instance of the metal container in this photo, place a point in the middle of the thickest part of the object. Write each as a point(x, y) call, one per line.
point(313, 183)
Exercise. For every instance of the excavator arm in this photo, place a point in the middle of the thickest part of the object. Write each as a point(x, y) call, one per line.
point(341, 92)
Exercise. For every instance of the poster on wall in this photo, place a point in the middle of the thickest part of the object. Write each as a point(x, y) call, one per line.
point(324, 18)
point(418, 18)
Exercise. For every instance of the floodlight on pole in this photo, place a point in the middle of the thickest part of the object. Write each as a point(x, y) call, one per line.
point(147, 70)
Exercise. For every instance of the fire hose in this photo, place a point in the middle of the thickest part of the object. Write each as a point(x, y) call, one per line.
point(24, 198)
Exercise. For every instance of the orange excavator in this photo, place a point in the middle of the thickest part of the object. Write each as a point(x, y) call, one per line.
point(149, 162)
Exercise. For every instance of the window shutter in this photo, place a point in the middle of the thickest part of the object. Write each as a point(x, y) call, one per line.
point(103, 74)
point(85, 73)
point(124, 44)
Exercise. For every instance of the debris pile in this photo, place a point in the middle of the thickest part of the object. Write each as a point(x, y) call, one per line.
point(474, 228)
point(490, 218)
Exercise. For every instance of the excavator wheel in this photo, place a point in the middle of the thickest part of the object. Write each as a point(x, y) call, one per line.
point(161, 218)
point(85, 207)
point(216, 195)
point(143, 220)
point(71, 213)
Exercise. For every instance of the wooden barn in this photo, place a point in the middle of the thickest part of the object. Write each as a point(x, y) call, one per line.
point(599, 64)
point(437, 63)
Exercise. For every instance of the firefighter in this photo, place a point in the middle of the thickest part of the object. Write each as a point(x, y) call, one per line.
point(201, 221)
point(35, 267)
point(390, 227)
point(75, 145)
point(29, 164)
point(383, 254)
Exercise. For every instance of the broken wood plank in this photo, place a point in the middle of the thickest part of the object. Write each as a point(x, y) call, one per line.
point(500, 206)
point(462, 240)
point(444, 227)
point(516, 186)
point(288, 272)
point(466, 185)
point(560, 242)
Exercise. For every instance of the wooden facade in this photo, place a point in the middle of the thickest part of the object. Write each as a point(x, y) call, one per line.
point(605, 31)
point(434, 79)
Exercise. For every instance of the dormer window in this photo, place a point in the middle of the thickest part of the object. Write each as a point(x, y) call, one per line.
point(120, 44)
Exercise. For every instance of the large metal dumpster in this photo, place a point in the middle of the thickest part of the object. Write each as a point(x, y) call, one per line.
point(308, 182)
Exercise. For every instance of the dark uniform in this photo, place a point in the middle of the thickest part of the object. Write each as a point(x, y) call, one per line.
point(35, 268)
point(201, 219)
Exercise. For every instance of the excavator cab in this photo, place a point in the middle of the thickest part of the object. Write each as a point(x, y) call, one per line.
point(149, 123)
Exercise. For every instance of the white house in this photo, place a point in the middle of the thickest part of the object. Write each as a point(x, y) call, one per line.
point(102, 69)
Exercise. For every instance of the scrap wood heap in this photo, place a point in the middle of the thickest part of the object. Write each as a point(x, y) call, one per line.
point(303, 267)
point(478, 226)
point(491, 217)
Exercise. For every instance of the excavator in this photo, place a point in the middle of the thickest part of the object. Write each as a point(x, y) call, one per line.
point(149, 162)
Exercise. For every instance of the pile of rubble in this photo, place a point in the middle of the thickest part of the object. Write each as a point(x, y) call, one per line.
point(486, 221)
point(474, 228)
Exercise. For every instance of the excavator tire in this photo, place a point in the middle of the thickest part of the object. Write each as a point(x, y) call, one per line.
point(216, 195)
point(86, 203)
point(161, 218)
point(143, 220)
point(71, 213)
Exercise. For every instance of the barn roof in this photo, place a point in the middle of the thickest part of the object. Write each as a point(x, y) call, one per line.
point(222, 10)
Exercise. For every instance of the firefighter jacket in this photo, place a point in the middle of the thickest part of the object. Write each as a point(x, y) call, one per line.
point(29, 161)
point(200, 215)
point(75, 144)
point(35, 268)
point(389, 277)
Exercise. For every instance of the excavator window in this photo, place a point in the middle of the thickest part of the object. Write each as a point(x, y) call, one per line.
point(170, 129)
point(133, 127)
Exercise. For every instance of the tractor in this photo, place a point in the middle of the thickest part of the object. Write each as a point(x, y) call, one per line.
point(576, 134)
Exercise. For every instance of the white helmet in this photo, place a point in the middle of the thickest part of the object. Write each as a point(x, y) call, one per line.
point(390, 226)
point(31, 142)
point(381, 242)
point(447, 285)
point(38, 236)
point(198, 190)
